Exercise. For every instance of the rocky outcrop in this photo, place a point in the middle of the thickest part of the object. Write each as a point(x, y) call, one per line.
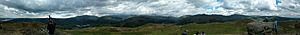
point(260, 28)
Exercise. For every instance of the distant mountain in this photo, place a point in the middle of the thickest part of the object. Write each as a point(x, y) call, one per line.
point(202, 18)
point(142, 19)
point(27, 19)
point(137, 20)
point(5, 19)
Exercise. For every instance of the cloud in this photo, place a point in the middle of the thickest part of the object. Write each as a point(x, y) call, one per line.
point(175, 8)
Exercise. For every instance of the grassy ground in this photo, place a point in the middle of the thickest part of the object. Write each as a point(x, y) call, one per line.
point(235, 27)
point(216, 28)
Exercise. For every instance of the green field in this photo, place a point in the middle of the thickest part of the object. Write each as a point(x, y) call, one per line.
point(235, 27)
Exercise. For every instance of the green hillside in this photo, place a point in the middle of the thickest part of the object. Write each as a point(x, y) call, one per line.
point(215, 28)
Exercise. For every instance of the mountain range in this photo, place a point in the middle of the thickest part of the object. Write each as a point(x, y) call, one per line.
point(138, 20)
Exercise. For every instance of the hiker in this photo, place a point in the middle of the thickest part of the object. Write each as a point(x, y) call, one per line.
point(275, 29)
point(184, 32)
point(51, 26)
point(202, 33)
point(197, 33)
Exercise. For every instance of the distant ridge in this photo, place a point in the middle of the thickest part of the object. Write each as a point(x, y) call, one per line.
point(137, 20)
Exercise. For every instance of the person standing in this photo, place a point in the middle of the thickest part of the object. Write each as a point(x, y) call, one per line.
point(184, 32)
point(51, 26)
point(202, 33)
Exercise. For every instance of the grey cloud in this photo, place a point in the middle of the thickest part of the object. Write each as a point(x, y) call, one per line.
point(176, 8)
point(51, 5)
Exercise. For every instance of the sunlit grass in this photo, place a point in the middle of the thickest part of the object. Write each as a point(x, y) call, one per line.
point(169, 29)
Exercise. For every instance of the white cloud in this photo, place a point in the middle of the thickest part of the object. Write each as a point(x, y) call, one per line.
point(176, 8)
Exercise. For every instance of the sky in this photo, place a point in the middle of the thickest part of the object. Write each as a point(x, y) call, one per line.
point(174, 8)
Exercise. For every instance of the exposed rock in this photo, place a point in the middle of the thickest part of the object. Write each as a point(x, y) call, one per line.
point(260, 28)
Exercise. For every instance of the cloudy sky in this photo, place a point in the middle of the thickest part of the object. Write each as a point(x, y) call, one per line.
point(175, 8)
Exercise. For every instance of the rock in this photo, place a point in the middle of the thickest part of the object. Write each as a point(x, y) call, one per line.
point(260, 27)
